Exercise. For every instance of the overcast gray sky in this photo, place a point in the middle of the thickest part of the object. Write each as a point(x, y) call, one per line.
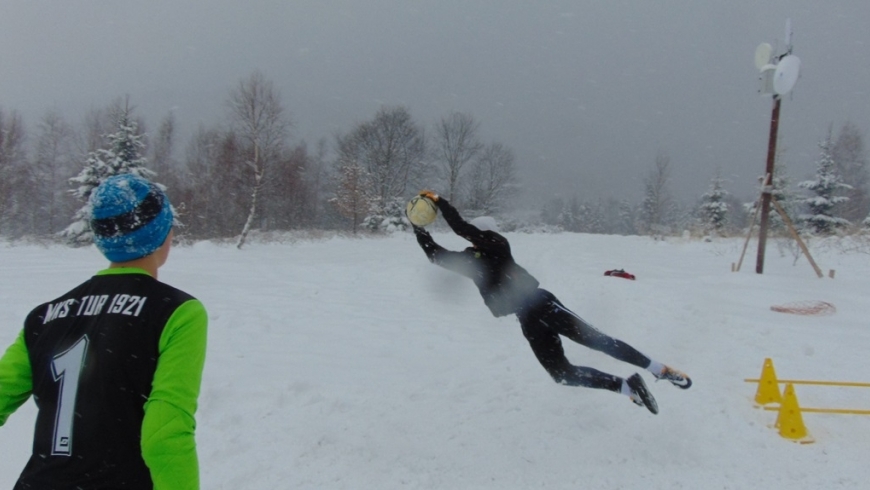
point(585, 92)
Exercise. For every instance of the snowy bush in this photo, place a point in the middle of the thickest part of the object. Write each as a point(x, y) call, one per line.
point(388, 220)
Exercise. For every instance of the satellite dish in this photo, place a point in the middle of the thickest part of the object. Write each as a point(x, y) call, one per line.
point(762, 55)
point(786, 74)
point(767, 72)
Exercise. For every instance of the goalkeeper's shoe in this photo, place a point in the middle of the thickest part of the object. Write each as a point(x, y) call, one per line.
point(640, 395)
point(678, 378)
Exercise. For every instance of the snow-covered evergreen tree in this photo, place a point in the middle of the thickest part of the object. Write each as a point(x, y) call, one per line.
point(820, 217)
point(389, 219)
point(714, 209)
point(124, 156)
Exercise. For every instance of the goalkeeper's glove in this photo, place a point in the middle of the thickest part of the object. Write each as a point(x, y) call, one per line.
point(431, 195)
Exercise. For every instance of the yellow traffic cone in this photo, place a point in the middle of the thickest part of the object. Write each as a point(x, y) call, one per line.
point(768, 386)
point(789, 420)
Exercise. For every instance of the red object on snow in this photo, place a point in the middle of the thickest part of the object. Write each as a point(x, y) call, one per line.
point(619, 273)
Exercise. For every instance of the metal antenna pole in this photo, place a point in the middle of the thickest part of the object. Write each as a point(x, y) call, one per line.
point(789, 76)
point(768, 186)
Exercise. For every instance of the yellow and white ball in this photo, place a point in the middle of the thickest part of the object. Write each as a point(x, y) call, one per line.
point(421, 211)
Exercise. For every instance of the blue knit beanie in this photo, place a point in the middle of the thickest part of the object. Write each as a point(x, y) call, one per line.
point(130, 217)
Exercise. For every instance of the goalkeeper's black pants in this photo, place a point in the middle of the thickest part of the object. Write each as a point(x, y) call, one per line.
point(545, 318)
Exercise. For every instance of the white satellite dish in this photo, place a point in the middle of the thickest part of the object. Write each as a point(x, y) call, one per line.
point(767, 72)
point(786, 74)
point(762, 55)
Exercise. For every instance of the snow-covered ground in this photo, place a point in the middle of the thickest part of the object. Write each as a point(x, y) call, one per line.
point(356, 364)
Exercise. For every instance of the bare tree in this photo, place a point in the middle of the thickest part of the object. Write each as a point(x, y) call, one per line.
point(317, 178)
point(166, 168)
point(198, 192)
point(353, 197)
point(851, 161)
point(391, 148)
point(53, 166)
point(657, 195)
point(162, 145)
point(95, 127)
point(259, 121)
point(215, 202)
point(492, 180)
point(287, 198)
point(13, 170)
point(98, 124)
point(456, 144)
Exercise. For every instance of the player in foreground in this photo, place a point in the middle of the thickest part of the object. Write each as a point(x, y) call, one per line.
point(509, 289)
point(114, 365)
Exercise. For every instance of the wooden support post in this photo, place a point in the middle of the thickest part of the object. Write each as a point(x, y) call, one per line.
point(795, 235)
point(752, 224)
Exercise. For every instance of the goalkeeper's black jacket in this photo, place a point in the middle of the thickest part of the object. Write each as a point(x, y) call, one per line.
point(504, 285)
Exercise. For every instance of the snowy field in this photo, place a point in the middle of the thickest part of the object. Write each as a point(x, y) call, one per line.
point(356, 364)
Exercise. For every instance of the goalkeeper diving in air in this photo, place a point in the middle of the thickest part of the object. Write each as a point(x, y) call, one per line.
point(508, 289)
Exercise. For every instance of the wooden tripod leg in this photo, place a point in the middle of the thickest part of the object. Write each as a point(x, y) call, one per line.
point(794, 234)
point(748, 236)
point(754, 217)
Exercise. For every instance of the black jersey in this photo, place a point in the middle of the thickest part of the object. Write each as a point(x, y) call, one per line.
point(503, 284)
point(93, 353)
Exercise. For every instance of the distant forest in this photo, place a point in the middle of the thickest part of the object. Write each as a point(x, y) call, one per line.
point(244, 174)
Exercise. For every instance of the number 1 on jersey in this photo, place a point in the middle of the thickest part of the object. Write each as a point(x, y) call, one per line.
point(66, 368)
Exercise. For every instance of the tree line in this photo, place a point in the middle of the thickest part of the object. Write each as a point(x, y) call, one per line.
point(245, 173)
point(835, 200)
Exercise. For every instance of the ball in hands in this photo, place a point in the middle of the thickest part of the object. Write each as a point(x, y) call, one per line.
point(421, 211)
